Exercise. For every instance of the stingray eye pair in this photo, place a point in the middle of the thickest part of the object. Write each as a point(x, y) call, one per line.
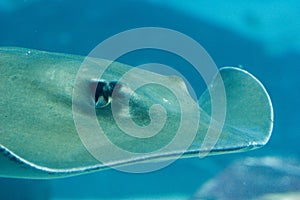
point(103, 94)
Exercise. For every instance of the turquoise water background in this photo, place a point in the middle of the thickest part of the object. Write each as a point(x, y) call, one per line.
point(262, 36)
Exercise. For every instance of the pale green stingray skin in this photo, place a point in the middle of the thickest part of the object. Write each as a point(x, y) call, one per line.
point(38, 138)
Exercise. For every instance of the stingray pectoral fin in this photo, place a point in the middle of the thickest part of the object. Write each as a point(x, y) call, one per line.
point(249, 112)
point(39, 138)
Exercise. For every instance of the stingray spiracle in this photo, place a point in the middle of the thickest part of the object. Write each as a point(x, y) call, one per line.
point(103, 94)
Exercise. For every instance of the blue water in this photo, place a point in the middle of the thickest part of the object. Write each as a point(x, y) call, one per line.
point(78, 26)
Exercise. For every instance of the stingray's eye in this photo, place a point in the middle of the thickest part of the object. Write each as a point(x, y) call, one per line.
point(103, 94)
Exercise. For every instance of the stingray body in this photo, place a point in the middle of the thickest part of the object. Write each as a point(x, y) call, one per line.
point(39, 138)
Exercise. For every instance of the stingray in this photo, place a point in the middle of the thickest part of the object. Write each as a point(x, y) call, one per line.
point(39, 136)
point(254, 178)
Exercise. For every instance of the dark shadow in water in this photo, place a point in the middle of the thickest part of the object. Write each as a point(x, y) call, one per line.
point(16, 189)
